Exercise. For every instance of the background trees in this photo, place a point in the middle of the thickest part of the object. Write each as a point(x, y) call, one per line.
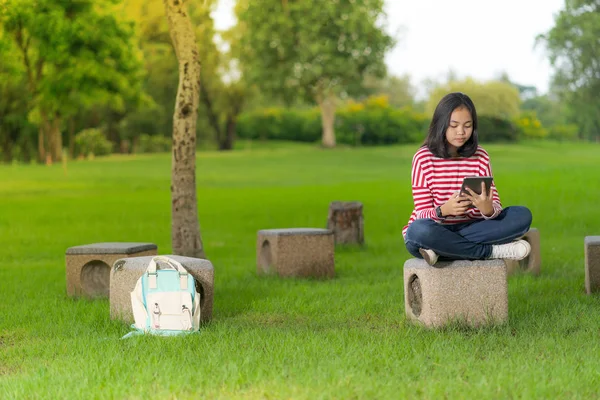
point(101, 76)
point(574, 52)
point(492, 98)
point(75, 56)
point(312, 48)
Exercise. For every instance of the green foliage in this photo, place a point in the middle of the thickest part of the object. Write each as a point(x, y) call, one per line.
point(92, 142)
point(312, 47)
point(374, 123)
point(153, 144)
point(398, 89)
point(492, 98)
point(550, 111)
point(222, 97)
point(529, 126)
point(82, 65)
point(572, 45)
point(16, 133)
point(76, 56)
point(564, 132)
point(280, 124)
point(368, 123)
point(494, 129)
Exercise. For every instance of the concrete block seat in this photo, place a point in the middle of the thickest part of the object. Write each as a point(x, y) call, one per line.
point(592, 264)
point(88, 266)
point(126, 272)
point(532, 263)
point(345, 219)
point(473, 292)
point(296, 252)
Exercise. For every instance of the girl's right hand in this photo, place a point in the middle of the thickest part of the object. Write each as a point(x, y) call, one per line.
point(456, 205)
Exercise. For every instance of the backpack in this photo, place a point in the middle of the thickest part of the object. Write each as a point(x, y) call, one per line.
point(165, 301)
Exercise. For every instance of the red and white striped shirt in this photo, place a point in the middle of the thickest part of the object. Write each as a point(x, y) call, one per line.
point(435, 180)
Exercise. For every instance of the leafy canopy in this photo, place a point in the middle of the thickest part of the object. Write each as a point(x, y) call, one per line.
point(311, 46)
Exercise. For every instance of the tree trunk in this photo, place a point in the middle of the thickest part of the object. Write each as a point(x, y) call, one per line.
point(41, 147)
point(227, 142)
point(327, 106)
point(213, 118)
point(56, 135)
point(72, 138)
point(185, 227)
point(45, 139)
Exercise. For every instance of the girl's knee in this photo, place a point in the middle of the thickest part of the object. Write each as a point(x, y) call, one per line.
point(521, 217)
point(419, 230)
point(524, 215)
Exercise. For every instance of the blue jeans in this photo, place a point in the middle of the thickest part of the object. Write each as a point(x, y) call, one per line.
point(469, 240)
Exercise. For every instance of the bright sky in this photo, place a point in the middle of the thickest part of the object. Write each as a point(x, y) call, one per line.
point(477, 38)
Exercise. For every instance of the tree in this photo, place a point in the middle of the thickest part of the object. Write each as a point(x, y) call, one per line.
point(312, 48)
point(75, 55)
point(549, 110)
point(13, 104)
point(223, 90)
point(221, 98)
point(493, 98)
point(398, 89)
point(185, 228)
point(574, 53)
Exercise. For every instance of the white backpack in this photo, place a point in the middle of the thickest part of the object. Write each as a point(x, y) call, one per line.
point(164, 300)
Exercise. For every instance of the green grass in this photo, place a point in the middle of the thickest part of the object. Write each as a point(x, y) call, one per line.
point(283, 338)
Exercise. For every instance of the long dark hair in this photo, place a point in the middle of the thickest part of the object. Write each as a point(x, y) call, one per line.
point(436, 137)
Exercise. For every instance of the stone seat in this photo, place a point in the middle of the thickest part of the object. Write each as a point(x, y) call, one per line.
point(88, 266)
point(296, 252)
point(592, 264)
point(532, 263)
point(471, 292)
point(126, 272)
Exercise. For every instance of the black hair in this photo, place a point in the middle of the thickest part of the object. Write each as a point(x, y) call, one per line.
point(436, 137)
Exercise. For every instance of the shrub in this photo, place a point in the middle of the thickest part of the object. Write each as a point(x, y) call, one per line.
point(153, 144)
point(372, 123)
point(494, 129)
point(280, 124)
point(380, 126)
point(529, 126)
point(564, 132)
point(92, 142)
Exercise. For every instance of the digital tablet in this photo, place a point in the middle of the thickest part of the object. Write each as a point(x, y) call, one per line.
point(474, 183)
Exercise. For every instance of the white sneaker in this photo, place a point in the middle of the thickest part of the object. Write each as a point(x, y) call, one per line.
point(516, 250)
point(429, 255)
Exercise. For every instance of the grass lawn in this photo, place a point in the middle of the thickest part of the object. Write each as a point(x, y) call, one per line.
point(344, 338)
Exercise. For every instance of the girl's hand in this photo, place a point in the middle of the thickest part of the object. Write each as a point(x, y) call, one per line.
point(482, 201)
point(457, 205)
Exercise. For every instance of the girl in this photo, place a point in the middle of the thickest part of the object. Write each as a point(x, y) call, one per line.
point(446, 223)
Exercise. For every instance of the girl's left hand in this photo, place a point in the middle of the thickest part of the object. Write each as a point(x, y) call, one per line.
point(482, 201)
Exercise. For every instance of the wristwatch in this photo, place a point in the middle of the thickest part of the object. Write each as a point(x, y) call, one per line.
point(438, 212)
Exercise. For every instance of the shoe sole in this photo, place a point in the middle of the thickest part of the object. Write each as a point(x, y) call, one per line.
point(426, 257)
point(528, 250)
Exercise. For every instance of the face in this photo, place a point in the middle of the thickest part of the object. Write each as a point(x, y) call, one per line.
point(459, 130)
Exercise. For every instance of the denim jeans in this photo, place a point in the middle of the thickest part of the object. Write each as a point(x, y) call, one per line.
point(469, 240)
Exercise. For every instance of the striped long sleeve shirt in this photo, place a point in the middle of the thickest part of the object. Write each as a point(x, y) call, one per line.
point(435, 180)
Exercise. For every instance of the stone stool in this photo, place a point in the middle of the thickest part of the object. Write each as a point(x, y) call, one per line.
point(531, 263)
point(346, 221)
point(126, 272)
point(592, 264)
point(297, 252)
point(88, 266)
point(473, 292)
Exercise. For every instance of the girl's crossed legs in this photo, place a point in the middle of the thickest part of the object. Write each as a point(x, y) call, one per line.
point(467, 241)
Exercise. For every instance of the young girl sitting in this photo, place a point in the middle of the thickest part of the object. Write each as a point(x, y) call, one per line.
point(452, 225)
